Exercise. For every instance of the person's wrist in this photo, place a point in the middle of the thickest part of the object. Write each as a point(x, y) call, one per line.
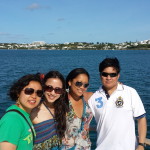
point(142, 144)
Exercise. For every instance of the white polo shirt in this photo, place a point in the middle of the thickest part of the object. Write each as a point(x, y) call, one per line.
point(115, 117)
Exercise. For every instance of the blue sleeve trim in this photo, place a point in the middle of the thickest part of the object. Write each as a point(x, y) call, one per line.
point(142, 116)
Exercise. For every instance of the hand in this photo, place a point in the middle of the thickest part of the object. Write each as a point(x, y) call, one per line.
point(140, 147)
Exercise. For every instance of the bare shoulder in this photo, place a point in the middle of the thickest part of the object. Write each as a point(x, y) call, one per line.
point(87, 95)
point(34, 113)
point(40, 114)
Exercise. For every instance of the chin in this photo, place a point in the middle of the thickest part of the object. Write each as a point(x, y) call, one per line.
point(51, 101)
point(81, 95)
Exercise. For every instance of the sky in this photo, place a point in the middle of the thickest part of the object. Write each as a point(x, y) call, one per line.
point(61, 21)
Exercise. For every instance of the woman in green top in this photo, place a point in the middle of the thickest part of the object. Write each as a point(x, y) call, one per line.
point(16, 129)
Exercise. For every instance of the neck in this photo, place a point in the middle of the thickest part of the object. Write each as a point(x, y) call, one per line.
point(110, 90)
point(49, 105)
point(25, 109)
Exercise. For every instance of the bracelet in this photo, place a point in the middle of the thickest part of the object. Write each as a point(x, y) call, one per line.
point(142, 144)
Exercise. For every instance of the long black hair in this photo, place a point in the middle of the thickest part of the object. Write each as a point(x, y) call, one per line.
point(60, 106)
point(74, 73)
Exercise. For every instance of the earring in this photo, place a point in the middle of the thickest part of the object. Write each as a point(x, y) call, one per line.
point(67, 90)
point(17, 102)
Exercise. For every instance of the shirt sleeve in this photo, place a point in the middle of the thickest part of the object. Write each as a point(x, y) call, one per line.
point(11, 128)
point(137, 105)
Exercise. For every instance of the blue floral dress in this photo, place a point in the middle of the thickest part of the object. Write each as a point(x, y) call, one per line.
point(74, 135)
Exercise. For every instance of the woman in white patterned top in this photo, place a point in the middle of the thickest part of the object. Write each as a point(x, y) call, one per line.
point(79, 115)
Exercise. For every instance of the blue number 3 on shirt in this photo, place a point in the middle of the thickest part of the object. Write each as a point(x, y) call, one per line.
point(99, 101)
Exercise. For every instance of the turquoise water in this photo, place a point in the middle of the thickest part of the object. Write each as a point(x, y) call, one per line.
point(135, 72)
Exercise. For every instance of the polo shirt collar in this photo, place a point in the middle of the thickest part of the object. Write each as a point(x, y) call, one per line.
point(119, 88)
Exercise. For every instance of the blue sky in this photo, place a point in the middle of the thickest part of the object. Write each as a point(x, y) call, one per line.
point(59, 21)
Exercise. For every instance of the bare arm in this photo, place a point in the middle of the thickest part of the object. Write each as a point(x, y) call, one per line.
point(87, 95)
point(142, 130)
point(7, 146)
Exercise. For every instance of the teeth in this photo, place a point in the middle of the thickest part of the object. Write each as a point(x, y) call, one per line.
point(80, 91)
point(32, 101)
point(51, 96)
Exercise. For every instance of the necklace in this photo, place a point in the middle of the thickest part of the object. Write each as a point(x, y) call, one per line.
point(83, 114)
point(49, 110)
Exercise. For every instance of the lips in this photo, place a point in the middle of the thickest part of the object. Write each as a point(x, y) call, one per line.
point(51, 97)
point(108, 82)
point(80, 91)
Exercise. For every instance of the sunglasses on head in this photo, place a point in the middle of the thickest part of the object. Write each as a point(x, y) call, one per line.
point(30, 91)
point(105, 74)
point(57, 90)
point(79, 84)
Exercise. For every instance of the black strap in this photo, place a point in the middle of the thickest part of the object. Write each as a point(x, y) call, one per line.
point(49, 110)
point(25, 120)
point(142, 144)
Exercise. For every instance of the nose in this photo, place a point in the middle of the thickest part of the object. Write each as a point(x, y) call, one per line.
point(82, 86)
point(34, 95)
point(108, 77)
point(52, 92)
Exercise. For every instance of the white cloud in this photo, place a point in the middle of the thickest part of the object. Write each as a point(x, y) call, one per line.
point(4, 34)
point(61, 19)
point(51, 33)
point(12, 37)
point(36, 6)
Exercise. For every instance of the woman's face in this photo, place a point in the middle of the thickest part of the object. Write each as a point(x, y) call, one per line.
point(79, 85)
point(28, 100)
point(52, 90)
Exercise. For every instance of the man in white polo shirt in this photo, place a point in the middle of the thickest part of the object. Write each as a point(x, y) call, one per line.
point(115, 107)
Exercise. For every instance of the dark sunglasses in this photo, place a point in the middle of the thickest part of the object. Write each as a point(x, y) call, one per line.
point(30, 91)
point(105, 74)
point(79, 84)
point(50, 89)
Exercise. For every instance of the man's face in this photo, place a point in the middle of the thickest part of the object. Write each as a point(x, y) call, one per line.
point(109, 78)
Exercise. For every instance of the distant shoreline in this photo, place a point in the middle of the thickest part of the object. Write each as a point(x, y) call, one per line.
point(77, 49)
point(142, 45)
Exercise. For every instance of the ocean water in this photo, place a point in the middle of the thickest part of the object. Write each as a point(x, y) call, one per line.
point(135, 70)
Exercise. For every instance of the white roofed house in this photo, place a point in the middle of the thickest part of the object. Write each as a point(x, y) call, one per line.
point(38, 43)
